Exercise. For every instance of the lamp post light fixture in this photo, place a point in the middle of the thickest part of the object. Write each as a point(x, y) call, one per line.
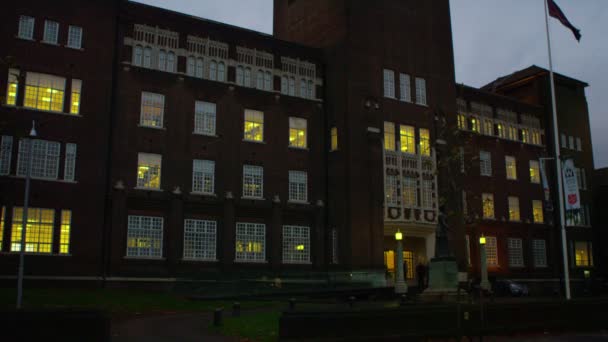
point(484, 284)
point(400, 285)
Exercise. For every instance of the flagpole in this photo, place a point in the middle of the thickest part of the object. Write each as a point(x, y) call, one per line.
point(558, 162)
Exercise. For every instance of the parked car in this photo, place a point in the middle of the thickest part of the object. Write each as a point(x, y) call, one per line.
point(505, 287)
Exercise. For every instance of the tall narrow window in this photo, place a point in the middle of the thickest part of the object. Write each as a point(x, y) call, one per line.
point(44, 92)
point(488, 205)
point(171, 62)
point(200, 240)
point(297, 132)
point(579, 145)
point(425, 142)
point(511, 167)
point(525, 136)
point(421, 91)
point(284, 85)
point(64, 234)
point(204, 118)
point(534, 172)
point(474, 124)
point(6, 151)
point(199, 68)
point(254, 125)
point(75, 37)
point(298, 186)
point(303, 88)
point(311, 90)
point(491, 251)
point(51, 32)
point(488, 127)
point(250, 242)
point(152, 110)
point(571, 142)
point(2, 220)
point(485, 163)
point(221, 72)
point(75, 97)
point(539, 250)
point(462, 122)
point(69, 172)
point(145, 237)
point(410, 191)
point(514, 209)
point(391, 190)
point(405, 91)
point(260, 79)
point(45, 159)
point(213, 71)
point(148, 170)
point(467, 248)
point(191, 66)
point(247, 77)
point(427, 193)
point(389, 136)
point(389, 83)
point(38, 233)
point(203, 176)
point(26, 27)
point(537, 211)
point(253, 181)
point(162, 60)
point(334, 138)
point(13, 86)
point(292, 86)
point(407, 139)
point(564, 141)
point(147, 57)
point(296, 245)
point(240, 75)
point(516, 253)
point(583, 256)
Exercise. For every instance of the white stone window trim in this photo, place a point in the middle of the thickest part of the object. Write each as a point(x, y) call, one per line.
point(26, 27)
point(74, 32)
point(51, 32)
point(205, 113)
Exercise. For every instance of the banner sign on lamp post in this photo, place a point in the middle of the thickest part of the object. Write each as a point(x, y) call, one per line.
point(571, 194)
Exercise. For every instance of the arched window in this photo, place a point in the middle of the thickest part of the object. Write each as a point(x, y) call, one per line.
point(268, 81)
point(137, 55)
point(190, 66)
point(162, 60)
point(239, 75)
point(171, 62)
point(303, 89)
point(311, 90)
point(292, 86)
point(260, 78)
point(147, 57)
point(247, 77)
point(199, 67)
point(213, 71)
point(284, 85)
point(221, 72)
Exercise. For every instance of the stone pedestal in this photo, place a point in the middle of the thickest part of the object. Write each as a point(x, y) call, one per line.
point(443, 280)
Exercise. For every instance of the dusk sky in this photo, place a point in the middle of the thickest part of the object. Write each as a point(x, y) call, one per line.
point(492, 38)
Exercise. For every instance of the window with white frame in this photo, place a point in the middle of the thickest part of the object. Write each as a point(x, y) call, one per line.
point(297, 132)
point(152, 110)
point(389, 83)
point(69, 172)
point(539, 252)
point(38, 230)
point(253, 181)
point(26, 27)
point(425, 142)
point(247, 77)
point(204, 117)
point(303, 87)
point(298, 186)
point(514, 208)
point(581, 179)
point(75, 96)
point(147, 62)
point(410, 191)
point(427, 193)
point(516, 252)
point(571, 142)
point(138, 55)
point(12, 87)
point(145, 236)
point(75, 37)
point(51, 32)
point(203, 176)
point(420, 91)
point(250, 242)
point(200, 239)
point(579, 145)
point(292, 86)
point(487, 205)
point(485, 163)
point(6, 150)
point(564, 141)
point(491, 251)
point(405, 90)
point(511, 167)
point(64, 232)
point(391, 190)
point(296, 245)
point(45, 159)
point(148, 170)
point(389, 136)
point(534, 172)
point(253, 125)
point(407, 138)
point(44, 92)
point(537, 211)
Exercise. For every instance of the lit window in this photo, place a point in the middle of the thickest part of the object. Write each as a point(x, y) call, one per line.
point(485, 163)
point(221, 72)
point(475, 124)
point(408, 139)
point(298, 186)
point(45, 159)
point(516, 253)
point(525, 136)
point(13, 86)
point(44, 92)
point(389, 83)
point(191, 66)
point(410, 192)
point(199, 68)
point(537, 211)
point(38, 233)
point(462, 122)
point(152, 110)
point(75, 37)
point(539, 251)
point(513, 132)
point(148, 170)
point(51, 32)
point(203, 176)
point(425, 142)
point(491, 251)
point(334, 138)
point(250, 242)
point(421, 91)
point(534, 172)
point(389, 136)
point(204, 117)
point(536, 139)
point(488, 206)
point(64, 234)
point(6, 150)
point(69, 170)
point(145, 236)
point(75, 98)
point(427, 194)
point(2, 219)
point(297, 132)
point(26, 27)
point(405, 90)
point(296, 245)
point(488, 127)
point(147, 57)
point(583, 254)
point(501, 131)
point(254, 125)
point(200, 240)
point(253, 181)
point(514, 209)
point(511, 167)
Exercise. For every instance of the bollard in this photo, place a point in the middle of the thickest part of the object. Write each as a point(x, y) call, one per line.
point(292, 304)
point(236, 309)
point(351, 301)
point(403, 300)
point(217, 317)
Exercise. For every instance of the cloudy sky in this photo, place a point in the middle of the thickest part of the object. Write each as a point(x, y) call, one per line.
point(491, 38)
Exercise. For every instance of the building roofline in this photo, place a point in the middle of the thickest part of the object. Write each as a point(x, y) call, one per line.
point(500, 96)
point(525, 75)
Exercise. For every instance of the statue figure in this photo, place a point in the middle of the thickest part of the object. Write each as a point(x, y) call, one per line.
point(442, 248)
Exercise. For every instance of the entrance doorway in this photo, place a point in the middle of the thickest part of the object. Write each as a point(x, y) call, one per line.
point(390, 259)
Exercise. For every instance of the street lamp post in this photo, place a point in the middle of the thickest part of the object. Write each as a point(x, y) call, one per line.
point(24, 218)
point(485, 284)
point(400, 285)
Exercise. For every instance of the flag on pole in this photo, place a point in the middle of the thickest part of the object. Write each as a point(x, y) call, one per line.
point(557, 13)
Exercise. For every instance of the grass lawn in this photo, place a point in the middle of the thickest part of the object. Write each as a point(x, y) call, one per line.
point(262, 326)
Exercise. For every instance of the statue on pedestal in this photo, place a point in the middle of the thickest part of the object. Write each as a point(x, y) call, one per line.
point(442, 248)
